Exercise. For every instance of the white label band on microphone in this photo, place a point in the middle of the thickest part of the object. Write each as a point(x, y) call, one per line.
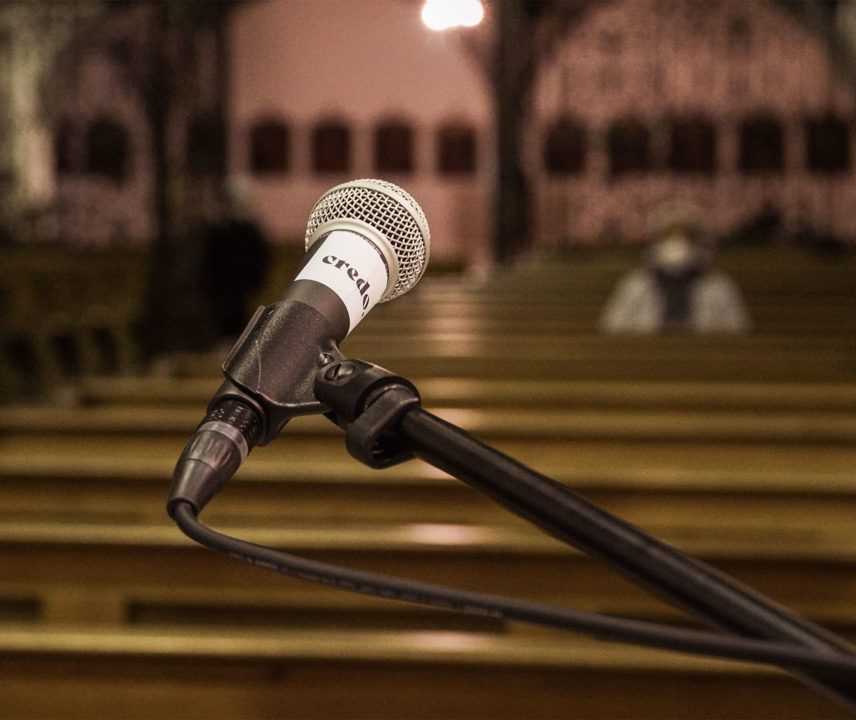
point(351, 267)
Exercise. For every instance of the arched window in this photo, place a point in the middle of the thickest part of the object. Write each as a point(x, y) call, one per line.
point(269, 147)
point(629, 146)
point(206, 145)
point(331, 147)
point(456, 149)
point(63, 147)
point(393, 147)
point(827, 148)
point(565, 147)
point(692, 147)
point(761, 145)
point(107, 149)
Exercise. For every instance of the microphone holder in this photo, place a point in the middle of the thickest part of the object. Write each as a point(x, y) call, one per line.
point(385, 425)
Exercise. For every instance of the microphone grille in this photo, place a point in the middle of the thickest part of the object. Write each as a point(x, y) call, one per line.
point(389, 210)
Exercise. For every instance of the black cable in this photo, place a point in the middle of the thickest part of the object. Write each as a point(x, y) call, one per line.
point(603, 627)
point(385, 423)
point(665, 571)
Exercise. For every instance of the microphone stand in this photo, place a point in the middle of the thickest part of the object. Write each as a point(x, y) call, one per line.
point(385, 425)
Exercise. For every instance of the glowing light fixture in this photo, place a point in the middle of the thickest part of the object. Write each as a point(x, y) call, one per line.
point(446, 14)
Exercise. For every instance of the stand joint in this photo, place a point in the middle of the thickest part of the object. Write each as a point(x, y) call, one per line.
point(367, 402)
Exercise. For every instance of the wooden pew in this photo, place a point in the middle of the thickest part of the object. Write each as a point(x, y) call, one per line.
point(711, 489)
point(737, 450)
point(410, 674)
point(67, 313)
point(147, 597)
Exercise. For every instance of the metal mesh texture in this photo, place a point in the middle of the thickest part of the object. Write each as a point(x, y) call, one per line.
point(388, 209)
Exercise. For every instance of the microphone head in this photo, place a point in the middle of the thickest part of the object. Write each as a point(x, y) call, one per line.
point(388, 217)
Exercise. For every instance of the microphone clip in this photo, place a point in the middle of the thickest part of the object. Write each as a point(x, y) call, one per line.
point(273, 364)
point(367, 402)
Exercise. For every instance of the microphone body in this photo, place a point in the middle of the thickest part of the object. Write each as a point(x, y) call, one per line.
point(358, 235)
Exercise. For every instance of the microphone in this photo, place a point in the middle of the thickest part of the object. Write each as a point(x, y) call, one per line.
point(367, 242)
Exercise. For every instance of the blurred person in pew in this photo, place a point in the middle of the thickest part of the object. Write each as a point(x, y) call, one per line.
point(678, 288)
point(235, 261)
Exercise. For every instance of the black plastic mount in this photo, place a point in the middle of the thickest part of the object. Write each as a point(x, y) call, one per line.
point(273, 363)
point(368, 402)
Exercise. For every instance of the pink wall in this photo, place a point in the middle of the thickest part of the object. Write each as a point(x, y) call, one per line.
point(653, 58)
point(362, 61)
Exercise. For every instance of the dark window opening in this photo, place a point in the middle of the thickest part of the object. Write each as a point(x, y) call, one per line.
point(269, 147)
point(693, 146)
point(629, 147)
point(565, 147)
point(206, 146)
point(63, 148)
point(331, 147)
point(761, 145)
point(456, 149)
point(827, 145)
point(393, 147)
point(107, 150)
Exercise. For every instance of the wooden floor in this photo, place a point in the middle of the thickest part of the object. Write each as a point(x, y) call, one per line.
point(739, 451)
